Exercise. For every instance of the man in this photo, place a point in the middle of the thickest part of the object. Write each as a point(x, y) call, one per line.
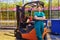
point(39, 16)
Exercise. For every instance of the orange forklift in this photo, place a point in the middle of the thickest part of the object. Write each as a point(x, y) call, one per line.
point(25, 24)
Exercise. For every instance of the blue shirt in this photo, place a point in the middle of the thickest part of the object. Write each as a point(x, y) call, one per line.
point(39, 14)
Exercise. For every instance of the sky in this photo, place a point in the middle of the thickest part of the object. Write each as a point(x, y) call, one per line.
point(12, 1)
point(17, 0)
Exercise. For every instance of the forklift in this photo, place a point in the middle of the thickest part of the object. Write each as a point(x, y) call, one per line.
point(25, 30)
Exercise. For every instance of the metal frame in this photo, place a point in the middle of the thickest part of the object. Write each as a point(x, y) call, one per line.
point(22, 10)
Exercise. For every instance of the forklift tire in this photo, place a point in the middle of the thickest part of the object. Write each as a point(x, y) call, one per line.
point(18, 35)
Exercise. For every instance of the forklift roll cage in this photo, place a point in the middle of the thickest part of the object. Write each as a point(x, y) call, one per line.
point(21, 11)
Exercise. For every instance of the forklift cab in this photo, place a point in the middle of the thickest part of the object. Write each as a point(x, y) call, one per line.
point(25, 24)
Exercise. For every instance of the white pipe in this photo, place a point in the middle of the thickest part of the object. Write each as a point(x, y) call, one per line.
point(50, 7)
point(23, 2)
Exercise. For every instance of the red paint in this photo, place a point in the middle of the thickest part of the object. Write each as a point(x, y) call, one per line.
point(31, 35)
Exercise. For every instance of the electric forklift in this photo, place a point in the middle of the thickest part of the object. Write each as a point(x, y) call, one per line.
point(25, 24)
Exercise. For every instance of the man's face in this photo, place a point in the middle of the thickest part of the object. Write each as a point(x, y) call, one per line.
point(39, 8)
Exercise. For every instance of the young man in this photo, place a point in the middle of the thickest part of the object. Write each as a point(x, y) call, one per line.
point(39, 16)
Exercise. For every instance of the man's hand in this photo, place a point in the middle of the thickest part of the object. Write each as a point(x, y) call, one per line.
point(27, 21)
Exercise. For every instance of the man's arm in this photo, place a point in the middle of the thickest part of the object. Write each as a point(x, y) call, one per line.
point(39, 18)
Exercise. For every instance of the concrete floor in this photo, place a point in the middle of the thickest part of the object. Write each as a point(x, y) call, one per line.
point(53, 37)
point(7, 35)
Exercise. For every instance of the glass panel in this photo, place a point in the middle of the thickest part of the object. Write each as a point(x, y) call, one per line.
point(54, 13)
point(59, 9)
point(4, 15)
point(0, 15)
point(11, 15)
point(59, 14)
